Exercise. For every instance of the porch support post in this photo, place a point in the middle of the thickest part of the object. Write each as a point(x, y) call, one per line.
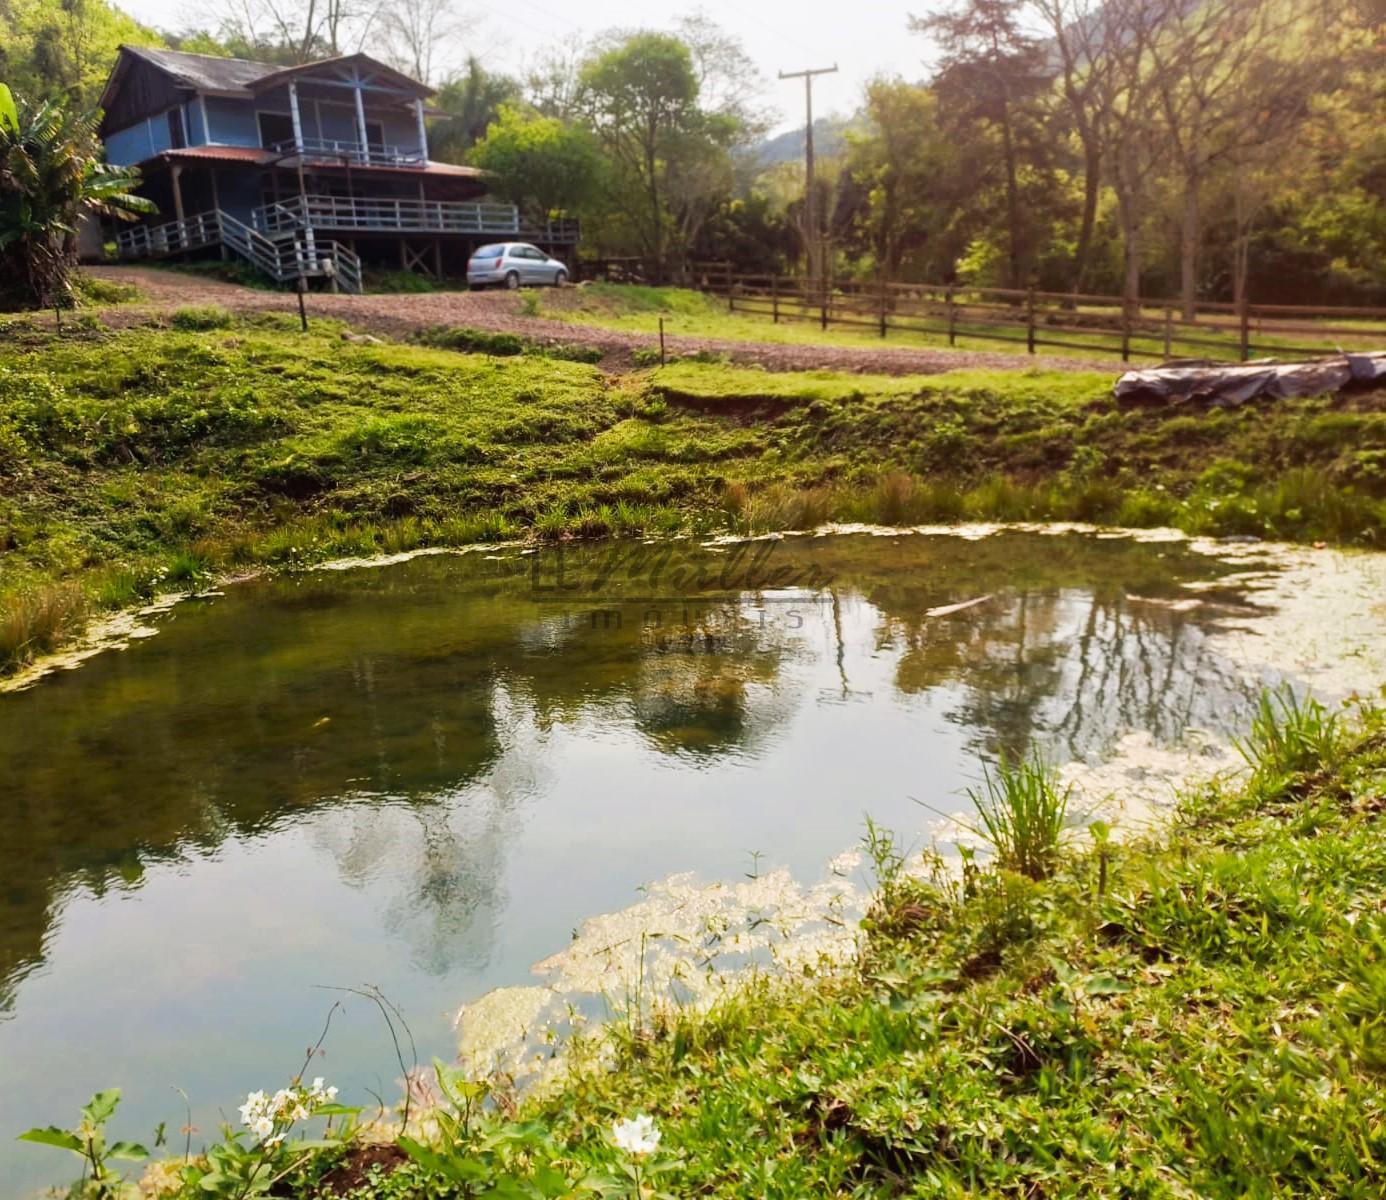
point(361, 120)
point(175, 175)
point(216, 204)
point(293, 112)
point(423, 129)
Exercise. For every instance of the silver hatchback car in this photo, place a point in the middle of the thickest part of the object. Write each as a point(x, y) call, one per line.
point(510, 264)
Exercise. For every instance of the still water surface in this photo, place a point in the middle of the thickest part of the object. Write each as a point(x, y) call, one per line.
point(424, 776)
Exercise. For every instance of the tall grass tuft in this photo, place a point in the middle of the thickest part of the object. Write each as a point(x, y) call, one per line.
point(892, 499)
point(1022, 813)
point(1289, 735)
point(35, 622)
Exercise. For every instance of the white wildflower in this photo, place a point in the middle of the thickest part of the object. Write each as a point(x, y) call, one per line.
point(637, 1136)
point(262, 1127)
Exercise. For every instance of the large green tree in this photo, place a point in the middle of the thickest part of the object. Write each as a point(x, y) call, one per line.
point(473, 101)
point(640, 97)
point(538, 163)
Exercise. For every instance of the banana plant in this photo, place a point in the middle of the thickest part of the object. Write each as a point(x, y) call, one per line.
point(51, 175)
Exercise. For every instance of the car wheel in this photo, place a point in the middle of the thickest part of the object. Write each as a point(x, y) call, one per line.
point(560, 278)
point(512, 281)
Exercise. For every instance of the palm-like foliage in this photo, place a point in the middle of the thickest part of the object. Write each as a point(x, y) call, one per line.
point(50, 174)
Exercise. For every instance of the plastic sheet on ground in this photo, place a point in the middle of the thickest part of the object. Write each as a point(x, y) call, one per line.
point(1224, 384)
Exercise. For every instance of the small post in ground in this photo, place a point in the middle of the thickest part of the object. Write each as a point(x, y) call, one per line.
point(1244, 313)
point(1126, 333)
point(823, 306)
point(952, 316)
point(883, 308)
point(1030, 320)
point(775, 299)
point(1169, 332)
point(301, 286)
point(663, 358)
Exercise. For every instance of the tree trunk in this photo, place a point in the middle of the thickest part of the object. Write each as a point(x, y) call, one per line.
point(1092, 191)
point(1188, 248)
point(1012, 194)
point(656, 221)
point(1131, 238)
point(1241, 250)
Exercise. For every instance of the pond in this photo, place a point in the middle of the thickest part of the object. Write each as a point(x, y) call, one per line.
point(425, 776)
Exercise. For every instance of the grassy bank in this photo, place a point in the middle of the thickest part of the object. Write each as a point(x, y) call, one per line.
point(1199, 1015)
point(160, 458)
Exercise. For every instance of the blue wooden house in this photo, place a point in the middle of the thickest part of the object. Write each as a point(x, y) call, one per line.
point(305, 171)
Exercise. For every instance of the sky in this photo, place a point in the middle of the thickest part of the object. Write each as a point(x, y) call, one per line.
point(864, 39)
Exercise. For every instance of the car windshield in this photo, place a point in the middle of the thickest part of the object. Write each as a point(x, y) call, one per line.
point(497, 251)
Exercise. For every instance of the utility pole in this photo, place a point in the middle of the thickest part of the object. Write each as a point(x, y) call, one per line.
point(815, 243)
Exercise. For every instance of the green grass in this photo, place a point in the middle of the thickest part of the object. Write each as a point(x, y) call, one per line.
point(153, 458)
point(1205, 1021)
point(1199, 1014)
point(637, 309)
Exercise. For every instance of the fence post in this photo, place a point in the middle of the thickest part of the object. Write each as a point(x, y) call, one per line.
point(883, 307)
point(731, 295)
point(1169, 331)
point(1244, 313)
point(1030, 320)
point(1126, 332)
point(775, 299)
point(823, 306)
point(952, 317)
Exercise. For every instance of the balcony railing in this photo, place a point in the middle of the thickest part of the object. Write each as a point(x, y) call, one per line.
point(383, 214)
point(356, 153)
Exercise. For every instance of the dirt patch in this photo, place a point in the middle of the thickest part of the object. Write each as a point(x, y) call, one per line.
point(401, 315)
point(355, 1169)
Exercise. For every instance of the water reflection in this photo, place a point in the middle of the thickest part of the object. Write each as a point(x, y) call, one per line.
point(483, 764)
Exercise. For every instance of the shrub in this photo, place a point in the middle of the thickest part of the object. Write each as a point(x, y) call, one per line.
point(472, 341)
point(91, 290)
point(201, 316)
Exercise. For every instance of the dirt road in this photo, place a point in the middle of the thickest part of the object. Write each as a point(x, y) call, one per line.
point(398, 315)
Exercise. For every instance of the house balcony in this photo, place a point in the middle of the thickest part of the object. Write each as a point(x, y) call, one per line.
point(392, 215)
point(351, 153)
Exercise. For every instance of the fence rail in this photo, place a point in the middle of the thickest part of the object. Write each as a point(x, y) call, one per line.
point(1151, 329)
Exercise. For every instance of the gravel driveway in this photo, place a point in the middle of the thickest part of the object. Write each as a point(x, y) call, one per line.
point(398, 315)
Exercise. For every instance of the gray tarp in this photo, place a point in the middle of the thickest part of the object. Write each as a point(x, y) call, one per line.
point(1223, 384)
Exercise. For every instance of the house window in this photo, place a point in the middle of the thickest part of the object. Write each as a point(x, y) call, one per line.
point(375, 133)
point(177, 137)
point(275, 129)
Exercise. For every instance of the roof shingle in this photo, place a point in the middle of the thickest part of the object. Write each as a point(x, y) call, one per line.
point(206, 72)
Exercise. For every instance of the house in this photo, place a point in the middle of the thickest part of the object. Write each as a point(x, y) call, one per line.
point(305, 171)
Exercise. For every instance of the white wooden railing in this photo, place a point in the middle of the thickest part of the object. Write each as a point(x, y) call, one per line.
point(389, 214)
point(384, 214)
point(371, 154)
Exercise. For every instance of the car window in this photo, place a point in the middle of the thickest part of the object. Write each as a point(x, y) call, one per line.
point(496, 251)
point(528, 252)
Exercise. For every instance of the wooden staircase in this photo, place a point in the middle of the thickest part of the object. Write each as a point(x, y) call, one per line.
point(290, 253)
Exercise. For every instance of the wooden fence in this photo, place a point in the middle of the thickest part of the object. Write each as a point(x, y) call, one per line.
point(1156, 329)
